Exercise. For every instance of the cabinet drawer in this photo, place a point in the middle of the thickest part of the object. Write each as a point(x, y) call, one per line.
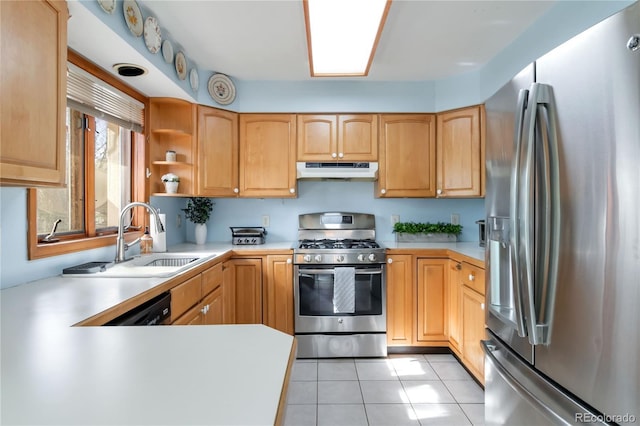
point(211, 279)
point(184, 296)
point(473, 277)
point(192, 317)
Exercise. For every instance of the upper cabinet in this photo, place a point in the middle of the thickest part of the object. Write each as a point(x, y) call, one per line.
point(460, 153)
point(33, 87)
point(172, 126)
point(352, 137)
point(268, 155)
point(407, 164)
point(217, 164)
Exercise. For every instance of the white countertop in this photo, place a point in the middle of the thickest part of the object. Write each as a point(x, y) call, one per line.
point(53, 373)
point(470, 249)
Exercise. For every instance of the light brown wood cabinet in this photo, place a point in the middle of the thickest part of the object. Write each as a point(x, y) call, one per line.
point(407, 156)
point(460, 153)
point(217, 164)
point(328, 137)
point(199, 299)
point(172, 126)
point(278, 292)
point(33, 95)
point(431, 303)
point(184, 297)
point(242, 291)
point(400, 300)
point(473, 331)
point(455, 306)
point(268, 155)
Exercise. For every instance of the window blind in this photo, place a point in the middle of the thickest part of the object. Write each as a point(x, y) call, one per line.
point(93, 96)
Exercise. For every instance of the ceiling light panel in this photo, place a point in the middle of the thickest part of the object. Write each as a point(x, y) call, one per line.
point(342, 35)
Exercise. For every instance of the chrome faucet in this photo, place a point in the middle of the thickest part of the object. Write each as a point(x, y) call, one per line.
point(121, 245)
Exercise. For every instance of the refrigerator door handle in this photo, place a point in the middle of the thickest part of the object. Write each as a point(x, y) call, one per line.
point(514, 238)
point(544, 245)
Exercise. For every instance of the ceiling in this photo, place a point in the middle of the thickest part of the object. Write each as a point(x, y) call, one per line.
point(266, 39)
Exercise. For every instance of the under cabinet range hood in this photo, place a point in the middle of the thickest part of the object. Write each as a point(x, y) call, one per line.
point(337, 170)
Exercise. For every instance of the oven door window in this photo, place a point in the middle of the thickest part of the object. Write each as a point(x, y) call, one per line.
point(316, 296)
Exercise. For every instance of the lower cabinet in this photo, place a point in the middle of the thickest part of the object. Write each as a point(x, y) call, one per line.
point(278, 307)
point(431, 294)
point(199, 299)
point(400, 298)
point(455, 306)
point(242, 291)
point(473, 331)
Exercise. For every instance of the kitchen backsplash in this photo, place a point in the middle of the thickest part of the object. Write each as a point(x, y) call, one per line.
point(320, 196)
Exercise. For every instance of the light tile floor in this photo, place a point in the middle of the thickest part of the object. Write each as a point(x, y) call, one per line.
point(395, 391)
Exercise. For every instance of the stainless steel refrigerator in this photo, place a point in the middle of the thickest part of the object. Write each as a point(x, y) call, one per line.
point(563, 234)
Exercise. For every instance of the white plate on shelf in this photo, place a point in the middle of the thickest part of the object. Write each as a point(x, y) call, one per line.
point(181, 66)
point(221, 89)
point(152, 34)
point(107, 5)
point(167, 51)
point(194, 80)
point(133, 17)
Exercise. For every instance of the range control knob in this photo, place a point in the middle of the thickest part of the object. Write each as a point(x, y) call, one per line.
point(307, 258)
point(339, 258)
point(372, 257)
point(361, 258)
point(318, 258)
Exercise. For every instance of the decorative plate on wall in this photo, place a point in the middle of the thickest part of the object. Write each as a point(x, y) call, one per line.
point(194, 79)
point(181, 65)
point(133, 17)
point(107, 5)
point(152, 34)
point(167, 51)
point(221, 89)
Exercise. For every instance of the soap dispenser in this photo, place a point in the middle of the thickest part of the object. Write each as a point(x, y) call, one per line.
point(146, 242)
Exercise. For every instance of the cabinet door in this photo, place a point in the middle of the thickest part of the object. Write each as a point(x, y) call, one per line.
point(455, 305)
point(473, 331)
point(185, 296)
point(33, 92)
point(407, 151)
point(432, 300)
point(268, 155)
point(317, 137)
point(217, 152)
point(400, 299)
point(212, 307)
point(358, 137)
point(459, 153)
point(244, 293)
point(278, 293)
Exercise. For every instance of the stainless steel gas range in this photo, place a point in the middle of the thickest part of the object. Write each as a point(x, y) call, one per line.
point(340, 287)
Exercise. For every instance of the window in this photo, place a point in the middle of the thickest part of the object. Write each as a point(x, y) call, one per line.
point(102, 151)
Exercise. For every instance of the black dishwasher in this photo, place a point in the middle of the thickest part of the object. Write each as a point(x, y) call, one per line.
point(152, 312)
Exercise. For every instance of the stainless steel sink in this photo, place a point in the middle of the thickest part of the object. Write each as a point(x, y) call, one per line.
point(172, 261)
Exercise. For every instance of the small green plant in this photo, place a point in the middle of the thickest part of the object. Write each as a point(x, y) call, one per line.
point(198, 209)
point(170, 177)
point(427, 228)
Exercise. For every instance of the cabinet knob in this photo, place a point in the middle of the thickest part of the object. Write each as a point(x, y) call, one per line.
point(292, 190)
point(334, 155)
point(341, 155)
point(236, 190)
point(389, 260)
point(472, 277)
point(383, 191)
point(482, 306)
point(439, 192)
point(289, 261)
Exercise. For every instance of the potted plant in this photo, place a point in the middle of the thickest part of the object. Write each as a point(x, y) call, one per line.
point(198, 211)
point(426, 232)
point(171, 182)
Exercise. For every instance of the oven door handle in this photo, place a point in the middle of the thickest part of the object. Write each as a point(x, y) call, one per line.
point(307, 272)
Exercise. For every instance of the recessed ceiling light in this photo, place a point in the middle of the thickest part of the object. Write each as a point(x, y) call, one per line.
point(342, 35)
point(129, 70)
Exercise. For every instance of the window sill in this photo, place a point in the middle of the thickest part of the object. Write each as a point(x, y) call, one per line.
point(43, 250)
